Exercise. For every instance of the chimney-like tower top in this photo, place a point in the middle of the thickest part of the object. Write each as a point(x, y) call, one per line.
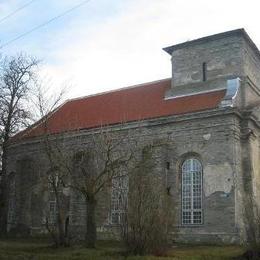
point(238, 32)
point(207, 64)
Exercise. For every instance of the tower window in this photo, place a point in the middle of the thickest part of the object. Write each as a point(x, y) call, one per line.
point(168, 165)
point(204, 71)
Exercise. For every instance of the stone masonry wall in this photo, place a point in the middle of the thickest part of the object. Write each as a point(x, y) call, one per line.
point(223, 58)
point(208, 135)
point(227, 57)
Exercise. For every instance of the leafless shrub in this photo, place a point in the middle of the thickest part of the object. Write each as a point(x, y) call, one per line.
point(148, 221)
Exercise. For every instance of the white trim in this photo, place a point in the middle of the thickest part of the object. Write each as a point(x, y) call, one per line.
point(195, 94)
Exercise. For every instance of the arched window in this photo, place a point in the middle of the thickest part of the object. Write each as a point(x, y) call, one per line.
point(191, 192)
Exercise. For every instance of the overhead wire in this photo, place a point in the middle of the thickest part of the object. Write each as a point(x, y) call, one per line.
point(45, 23)
point(16, 11)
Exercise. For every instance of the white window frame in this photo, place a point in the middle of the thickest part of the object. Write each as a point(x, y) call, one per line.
point(192, 192)
point(52, 212)
point(119, 199)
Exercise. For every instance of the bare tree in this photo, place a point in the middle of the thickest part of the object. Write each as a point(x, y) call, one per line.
point(95, 167)
point(87, 172)
point(56, 180)
point(56, 176)
point(17, 75)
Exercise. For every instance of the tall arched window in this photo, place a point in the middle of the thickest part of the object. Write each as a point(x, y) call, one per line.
point(191, 192)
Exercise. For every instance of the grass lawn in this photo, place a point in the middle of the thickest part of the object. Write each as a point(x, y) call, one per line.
point(41, 250)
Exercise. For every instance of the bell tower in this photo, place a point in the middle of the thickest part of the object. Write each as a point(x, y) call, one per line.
point(211, 63)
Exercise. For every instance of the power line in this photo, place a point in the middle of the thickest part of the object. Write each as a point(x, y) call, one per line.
point(16, 11)
point(44, 24)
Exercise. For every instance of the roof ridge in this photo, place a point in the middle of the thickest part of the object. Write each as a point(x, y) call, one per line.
point(119, 89)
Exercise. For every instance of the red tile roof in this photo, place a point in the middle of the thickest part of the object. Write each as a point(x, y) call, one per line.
point(140, 102)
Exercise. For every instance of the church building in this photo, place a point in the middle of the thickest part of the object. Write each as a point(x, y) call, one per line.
point(208, 114)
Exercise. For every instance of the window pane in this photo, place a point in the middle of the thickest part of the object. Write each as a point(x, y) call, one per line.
point(186, 217)
point(197, 217)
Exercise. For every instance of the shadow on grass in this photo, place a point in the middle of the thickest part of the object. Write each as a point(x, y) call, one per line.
point(41, 249)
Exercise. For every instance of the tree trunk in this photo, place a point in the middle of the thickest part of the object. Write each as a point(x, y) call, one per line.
point(91, 233)
point(61, 224)
point(61, 233)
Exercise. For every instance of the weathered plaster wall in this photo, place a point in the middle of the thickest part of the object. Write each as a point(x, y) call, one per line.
point(208, 135)
point(217, 156)
point(247, 182)
point(218, 178)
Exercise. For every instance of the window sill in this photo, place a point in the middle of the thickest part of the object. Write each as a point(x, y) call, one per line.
point(191, 225)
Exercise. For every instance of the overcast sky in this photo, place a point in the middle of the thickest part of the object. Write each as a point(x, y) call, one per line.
point(109, 44)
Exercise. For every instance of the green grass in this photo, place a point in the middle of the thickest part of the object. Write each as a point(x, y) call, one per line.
point(41, 250)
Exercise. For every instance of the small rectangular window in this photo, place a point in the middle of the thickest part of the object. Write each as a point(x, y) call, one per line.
point(168, 165)
point(204, 71)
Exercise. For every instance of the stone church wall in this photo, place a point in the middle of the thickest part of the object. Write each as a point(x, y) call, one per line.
point(209, 136)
